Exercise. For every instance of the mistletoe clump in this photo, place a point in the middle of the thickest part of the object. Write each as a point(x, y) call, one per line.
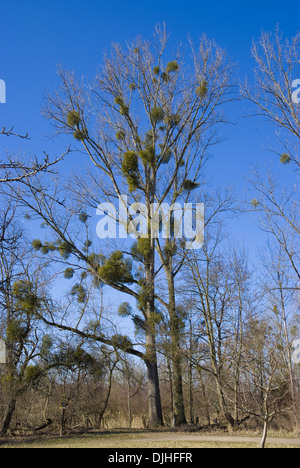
point(16, 332)
point(172, 120)
point(130, 166)
point(80, 293)
point(255, 203)
point(80, 135)
point(116, 269)
point(69, 273)
point(144, 247)
point(130, 163)
point(148, 155)
point(167, 155)
point(157, 114)
point(26, 300)
point(189, 185)
point(172, 67)
point(73, 119)
point(64, 248)
point(141, 249)
point(202, 89)
point(121, 342)
point(33, 373)
point(123, 108)
point(121, 135)
point(285, 158)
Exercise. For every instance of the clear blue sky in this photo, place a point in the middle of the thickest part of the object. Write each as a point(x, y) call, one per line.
point(37, 35)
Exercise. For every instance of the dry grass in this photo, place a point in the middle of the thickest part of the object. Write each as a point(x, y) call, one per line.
point(152, 440)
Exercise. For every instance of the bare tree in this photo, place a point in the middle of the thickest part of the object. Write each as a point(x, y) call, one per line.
point(145, 123)
point(277, 61)
point(277, 64)
point(265, 385)
point(20, 299)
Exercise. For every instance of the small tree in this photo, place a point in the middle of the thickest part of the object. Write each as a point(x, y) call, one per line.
point(20, 300)
point(265, 387)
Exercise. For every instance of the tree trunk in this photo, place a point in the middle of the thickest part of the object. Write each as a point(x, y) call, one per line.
point(8, 417)
point(205, 399)
point(175, 328)
point(171, 385)
point(155, 409)
point(222, 403)
point(129, 405)
point(110, 381)
point(191, 395)
point(265, 435)
point(190, 376)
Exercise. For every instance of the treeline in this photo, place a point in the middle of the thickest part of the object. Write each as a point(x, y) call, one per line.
point(100, 331)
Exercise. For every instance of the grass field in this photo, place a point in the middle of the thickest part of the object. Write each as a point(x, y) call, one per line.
point(144, 439)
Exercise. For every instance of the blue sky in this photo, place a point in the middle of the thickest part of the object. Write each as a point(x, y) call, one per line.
point(36, 36)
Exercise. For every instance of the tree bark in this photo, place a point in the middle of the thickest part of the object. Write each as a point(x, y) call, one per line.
point(175, 329)
point(155, 409)
point(265, 435)
point(8, 417)
point(205, 398)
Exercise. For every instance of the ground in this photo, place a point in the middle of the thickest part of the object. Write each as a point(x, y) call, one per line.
point(145, 439)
